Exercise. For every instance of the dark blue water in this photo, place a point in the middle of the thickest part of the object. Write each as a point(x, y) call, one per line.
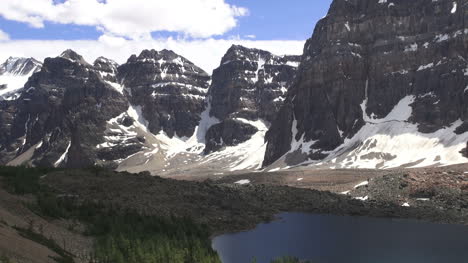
point(330, 239)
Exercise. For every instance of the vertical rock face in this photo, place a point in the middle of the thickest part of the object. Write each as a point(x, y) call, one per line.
point(62, 113)
point(147, 113)
point(168, 89)
point(7, 115)
point(249, 86)
point(371, 62)
point(14, 73)
point(107, 68)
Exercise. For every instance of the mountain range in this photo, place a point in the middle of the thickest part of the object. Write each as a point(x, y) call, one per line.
point(381, 84)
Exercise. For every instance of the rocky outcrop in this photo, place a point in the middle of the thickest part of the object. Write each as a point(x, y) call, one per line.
point(7, 115)
point(74, 114)
point(169, 89)
point(61, 114)
point(107, 68)
point(371, 62)
point(228, 133)
point(249, 85)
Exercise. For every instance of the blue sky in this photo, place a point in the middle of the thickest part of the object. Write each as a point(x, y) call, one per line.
point(266, 20)
point(280, 19)
point(200, 30)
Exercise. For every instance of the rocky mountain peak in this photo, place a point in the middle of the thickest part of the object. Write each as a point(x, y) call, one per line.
point(246, 72)
point(107, 68)
point(246, 92)
point(363, 96)
point(261, 57)
point(60, 115)
point(238, 52)
point(74, 57)
point(169, 88)
point(20, 66)
point(14, 73)
point(105, 63)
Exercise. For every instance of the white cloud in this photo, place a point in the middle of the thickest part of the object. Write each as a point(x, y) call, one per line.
point(4, 36)
point(206, 53)
point(134, 19)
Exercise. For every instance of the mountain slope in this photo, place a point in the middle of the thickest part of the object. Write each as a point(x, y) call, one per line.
point(381, 84)
point(157, 112)
point(243, 97)
point(14, 73)
point(60, 116)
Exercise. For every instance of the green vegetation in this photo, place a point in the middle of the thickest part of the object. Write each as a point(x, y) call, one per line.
point(23, 180)
point(5, 259)
point(121, 236)
point(133, 238)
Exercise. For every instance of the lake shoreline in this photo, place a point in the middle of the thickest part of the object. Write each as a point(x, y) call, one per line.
point(359, 240)
point(229, 208)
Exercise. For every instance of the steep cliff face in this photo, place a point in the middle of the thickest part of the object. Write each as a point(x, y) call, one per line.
point(169, 90)
point(378, 78)
point(156, 112)
point(249, 86)
point(107, 68)
point(60, 115)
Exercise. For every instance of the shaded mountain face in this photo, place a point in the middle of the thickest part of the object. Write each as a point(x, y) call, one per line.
point(60, 115)
point(169, 89)
point(14, 73)
point(248, 87)
point(381, 84)
point(147, 113)
point(107, 68)
point(74, 114)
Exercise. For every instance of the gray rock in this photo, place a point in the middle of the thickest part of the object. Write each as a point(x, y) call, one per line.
point(379, 52)
point(249, 84)
point(170, 89)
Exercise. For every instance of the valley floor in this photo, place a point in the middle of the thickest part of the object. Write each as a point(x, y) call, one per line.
point(235, 202)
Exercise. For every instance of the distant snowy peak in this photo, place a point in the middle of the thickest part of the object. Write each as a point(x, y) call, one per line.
point(108, 70)
point(247, 90)
point(167, 60)
point(20, 66)
point(251, 83)
point(74, 57)
point(106, 65)
point(169, 88)
point(243, 54)
point(14, 73)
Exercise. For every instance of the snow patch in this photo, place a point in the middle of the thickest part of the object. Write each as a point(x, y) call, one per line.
point(242, 182)
point(423, 199)
point(363, 198)
point(63, 157)
point(393, 141)
point(361, 184)
point(454, 8)
point(13, 84)
point(136, 113)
